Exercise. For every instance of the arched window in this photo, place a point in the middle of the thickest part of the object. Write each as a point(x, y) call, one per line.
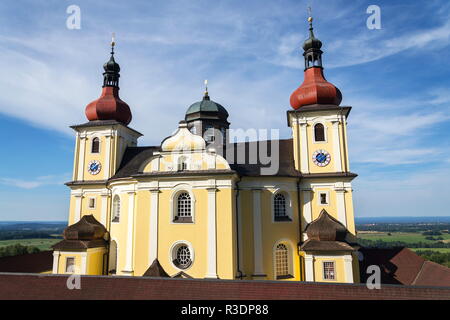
point(319, 132)
point(182, 164)
point(116, 209)
point(280, 208)
point(282, 262)
point(209, 134)
point(95, 145)
point(183, 212)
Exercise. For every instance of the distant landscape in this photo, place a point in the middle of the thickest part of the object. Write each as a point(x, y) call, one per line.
point(427, 236)
point(21, 237)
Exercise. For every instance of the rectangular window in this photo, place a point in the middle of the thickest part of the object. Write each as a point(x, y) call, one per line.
point(323, 198)
point(91, 203)
point(329, 272)
point(70, 264)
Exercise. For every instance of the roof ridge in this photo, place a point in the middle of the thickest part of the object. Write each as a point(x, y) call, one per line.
point(418, 273)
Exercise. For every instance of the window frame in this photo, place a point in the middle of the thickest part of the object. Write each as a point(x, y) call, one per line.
point(325, 136)
point(174, 205)
point(173, 254)
point(319, 200)
point(288, 205)
point(290, 260)
point(182, 162)
point(92, 145)
point(333, 262)
point(213, 135)
point(184, 218)
point(89, 203)
point(115, 218)
point(66, 265)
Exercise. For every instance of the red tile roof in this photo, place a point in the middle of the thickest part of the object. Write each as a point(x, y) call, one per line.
point(45, 287)
point(403, 266)
point(432, 274)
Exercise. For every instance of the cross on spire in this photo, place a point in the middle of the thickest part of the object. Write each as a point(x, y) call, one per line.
point(113, 42)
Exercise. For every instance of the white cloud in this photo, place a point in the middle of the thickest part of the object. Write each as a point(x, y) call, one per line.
point(361, 45)
point(36, 182)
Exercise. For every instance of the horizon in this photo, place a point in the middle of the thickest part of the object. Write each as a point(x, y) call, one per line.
point(356, 219)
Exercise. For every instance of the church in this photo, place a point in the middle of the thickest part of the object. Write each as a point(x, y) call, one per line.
point(201, 205)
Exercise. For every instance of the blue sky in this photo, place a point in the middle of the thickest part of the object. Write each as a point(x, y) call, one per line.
point(397, 79)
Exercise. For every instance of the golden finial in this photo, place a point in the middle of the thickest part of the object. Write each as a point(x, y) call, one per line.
point(310, 18)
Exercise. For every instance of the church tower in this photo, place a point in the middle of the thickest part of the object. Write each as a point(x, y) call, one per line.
point(209, 120)
point(99, 147)
point(319, 132)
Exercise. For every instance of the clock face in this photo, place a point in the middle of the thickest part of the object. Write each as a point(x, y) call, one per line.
point(94, 167)
point(321, 158)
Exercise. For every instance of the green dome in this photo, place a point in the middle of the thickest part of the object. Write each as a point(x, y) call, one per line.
point(312, 42)
point(206, 105)
point(111, 65)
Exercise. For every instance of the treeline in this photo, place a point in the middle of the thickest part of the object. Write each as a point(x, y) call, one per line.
point(435, 256)
point(17, 249)
point(26, 234)
point(432, 233)
point(390, 244)
point(405, 227)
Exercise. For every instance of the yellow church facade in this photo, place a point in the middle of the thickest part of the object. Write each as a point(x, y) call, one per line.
point(201, 205)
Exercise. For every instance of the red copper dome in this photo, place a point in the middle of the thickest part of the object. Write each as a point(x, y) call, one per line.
point(315, 89)
point(109, 107)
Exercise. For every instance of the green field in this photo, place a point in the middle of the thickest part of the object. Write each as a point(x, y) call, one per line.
point(42, 244)
point(407, 237)
point(441, 250)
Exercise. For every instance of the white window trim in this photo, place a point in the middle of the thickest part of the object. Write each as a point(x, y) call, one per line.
point(182, 159)
point(112, 208)
point(99, 144)
point(319, 203)
point(172, 253)
point(289, 246)
point(174, 203)
point(323, 270)
point(89, 203)
point(325, 132)
point(187, 160)
point(74, 265)
point(289, 210)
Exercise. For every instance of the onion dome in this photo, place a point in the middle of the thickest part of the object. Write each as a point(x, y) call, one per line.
point(88, 228)
point(206, 106)
point(326, 228)
point(315, 89)
point(109, 106)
